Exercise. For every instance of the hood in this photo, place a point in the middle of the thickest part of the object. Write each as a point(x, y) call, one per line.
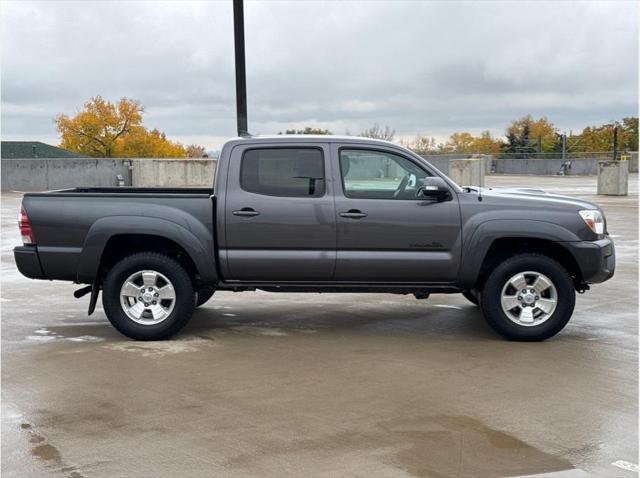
point(536, 198)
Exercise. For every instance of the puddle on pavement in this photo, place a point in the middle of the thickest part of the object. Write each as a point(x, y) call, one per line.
point(428, 446)
point(47, 453)
point(463, 446)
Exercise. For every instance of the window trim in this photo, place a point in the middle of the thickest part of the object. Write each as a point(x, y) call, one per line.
point(254, 148)
point(376, 150)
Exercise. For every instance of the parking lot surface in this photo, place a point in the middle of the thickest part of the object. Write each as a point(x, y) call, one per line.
point(369, 385)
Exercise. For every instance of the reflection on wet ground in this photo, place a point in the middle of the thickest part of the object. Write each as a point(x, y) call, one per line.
point(364, 385)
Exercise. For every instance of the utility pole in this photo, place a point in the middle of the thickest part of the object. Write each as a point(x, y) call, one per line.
point(564, 146)
point(241, 75)
point(615, 142)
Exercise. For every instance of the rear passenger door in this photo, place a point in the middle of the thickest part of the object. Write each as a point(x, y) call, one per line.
point(279, 213)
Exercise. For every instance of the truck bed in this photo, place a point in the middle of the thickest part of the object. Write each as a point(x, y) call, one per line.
point(69, 224)
point(126, 191)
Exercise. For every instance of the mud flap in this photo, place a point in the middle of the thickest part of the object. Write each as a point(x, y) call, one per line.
point(95, 291)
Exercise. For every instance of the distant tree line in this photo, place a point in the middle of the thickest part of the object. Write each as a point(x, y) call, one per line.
point(527, 137)
point(524, 137)
point(108, 130)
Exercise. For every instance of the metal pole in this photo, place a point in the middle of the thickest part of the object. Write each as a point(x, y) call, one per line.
point(241, 76)
point(564, 147)
point(615, 142)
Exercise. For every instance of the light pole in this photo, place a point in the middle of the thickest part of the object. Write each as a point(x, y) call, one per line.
point(241, 75)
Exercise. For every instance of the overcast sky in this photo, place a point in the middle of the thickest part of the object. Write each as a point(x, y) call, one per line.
point(421, 67)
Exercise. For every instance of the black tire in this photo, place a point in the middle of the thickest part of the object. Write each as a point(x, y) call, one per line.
point(182, 285)
point(496, 281)
point(203, 295)
point(471, 296)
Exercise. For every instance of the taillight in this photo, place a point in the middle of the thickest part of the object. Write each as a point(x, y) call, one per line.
point(25, 228)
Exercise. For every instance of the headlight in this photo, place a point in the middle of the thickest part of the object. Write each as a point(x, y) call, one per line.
point(594, 219)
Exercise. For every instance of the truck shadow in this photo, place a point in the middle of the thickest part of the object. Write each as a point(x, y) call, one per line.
point(462, 322)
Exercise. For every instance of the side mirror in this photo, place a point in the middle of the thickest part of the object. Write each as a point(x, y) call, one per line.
point(434, 188)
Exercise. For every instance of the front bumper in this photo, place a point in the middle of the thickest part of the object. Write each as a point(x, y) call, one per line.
point(27, 261)
point(596, 259)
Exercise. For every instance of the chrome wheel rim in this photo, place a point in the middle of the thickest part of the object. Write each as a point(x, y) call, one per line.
point(529, 298)
point(147, 297)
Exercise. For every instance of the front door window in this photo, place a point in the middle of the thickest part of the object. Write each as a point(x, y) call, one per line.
point(379, 175)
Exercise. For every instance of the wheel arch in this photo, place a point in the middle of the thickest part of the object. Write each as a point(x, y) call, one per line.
point(508, 247)
point(112, 238)
point(492, 241)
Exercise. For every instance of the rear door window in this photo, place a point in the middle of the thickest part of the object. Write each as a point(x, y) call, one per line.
point(288, 172)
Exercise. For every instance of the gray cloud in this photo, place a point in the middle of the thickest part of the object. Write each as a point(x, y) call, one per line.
point(422, 67)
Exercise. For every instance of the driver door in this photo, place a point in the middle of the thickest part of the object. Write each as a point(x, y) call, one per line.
point(384, 232)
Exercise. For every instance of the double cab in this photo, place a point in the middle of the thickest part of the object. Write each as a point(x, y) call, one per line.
point(318, 214)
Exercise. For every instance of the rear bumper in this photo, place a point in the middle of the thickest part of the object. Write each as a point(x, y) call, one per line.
point(596, 259)
point(28, 263)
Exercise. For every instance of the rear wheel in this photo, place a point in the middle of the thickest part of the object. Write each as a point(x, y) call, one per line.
point(148, 296)
point(528, 297)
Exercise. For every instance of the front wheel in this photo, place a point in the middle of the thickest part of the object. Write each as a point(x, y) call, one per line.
point(528, 297)
point(148, 296)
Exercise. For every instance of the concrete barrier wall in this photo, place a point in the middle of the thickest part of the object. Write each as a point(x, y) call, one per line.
point(545, 167)
point(43, 174)
point(542, 167)
point(173, 172)
point(441, 164)
point(467, 172)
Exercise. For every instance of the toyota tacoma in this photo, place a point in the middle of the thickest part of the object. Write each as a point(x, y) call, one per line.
point(318, 214)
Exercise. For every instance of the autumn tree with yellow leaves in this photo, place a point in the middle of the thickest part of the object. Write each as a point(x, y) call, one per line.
point(114, 130)
point(527, 134)
point(462, 142)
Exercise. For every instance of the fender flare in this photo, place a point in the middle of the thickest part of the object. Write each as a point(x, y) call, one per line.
point(486, 233)
point(105, 228)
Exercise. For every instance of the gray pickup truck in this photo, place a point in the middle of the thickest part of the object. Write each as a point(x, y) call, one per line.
point(318, 214)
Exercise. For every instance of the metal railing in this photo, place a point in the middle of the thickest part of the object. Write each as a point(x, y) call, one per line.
point(530, 155)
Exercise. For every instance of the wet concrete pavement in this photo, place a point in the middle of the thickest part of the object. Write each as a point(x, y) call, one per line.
point(368, 385)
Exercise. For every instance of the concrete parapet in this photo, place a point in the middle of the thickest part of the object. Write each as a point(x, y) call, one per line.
point(613, 178)
point(467, 172)
point(173, 172)
point(43, 174)
point(542, 167)
point(547, 167)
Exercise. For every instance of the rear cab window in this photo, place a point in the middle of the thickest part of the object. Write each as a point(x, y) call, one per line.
point(285, 172)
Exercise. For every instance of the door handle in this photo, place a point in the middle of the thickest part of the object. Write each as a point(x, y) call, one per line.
point(353, 214)
point(246, 212)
